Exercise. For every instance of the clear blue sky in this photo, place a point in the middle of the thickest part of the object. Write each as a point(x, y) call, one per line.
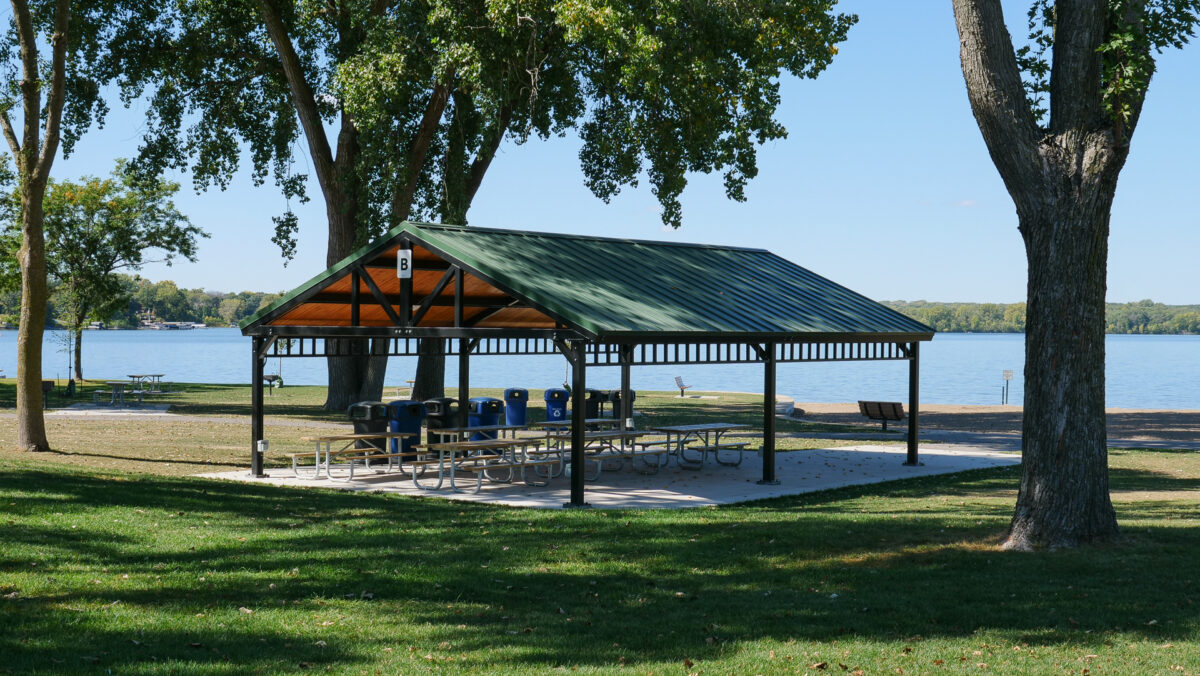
point(883, 185)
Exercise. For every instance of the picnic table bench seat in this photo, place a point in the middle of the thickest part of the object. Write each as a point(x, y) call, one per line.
point(364, 456)
point(716, 449)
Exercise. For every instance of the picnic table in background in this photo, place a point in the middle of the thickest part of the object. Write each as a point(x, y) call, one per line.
point(593, 424)
point(147, 382)
point(601, 445)
point(511, 456)
point(353, 453)
point(461, 433)
point(117, 389)
point(708, 440)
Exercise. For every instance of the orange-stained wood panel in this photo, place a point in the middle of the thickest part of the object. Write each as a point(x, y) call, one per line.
point(424, 281)
point(524, 318)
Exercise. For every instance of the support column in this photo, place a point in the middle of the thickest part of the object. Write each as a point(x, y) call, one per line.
point(464, 378)
point(578, 415)
point(914, 413)
point(256, 406)
point(626, 412)
point(768, 449)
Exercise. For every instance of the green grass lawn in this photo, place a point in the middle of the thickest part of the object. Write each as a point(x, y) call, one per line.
point(133, 573)
point(114, 561)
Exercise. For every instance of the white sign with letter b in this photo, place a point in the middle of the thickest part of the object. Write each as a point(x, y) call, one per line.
point(404, 264)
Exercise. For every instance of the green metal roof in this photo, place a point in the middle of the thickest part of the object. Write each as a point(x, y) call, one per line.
point(614, 288)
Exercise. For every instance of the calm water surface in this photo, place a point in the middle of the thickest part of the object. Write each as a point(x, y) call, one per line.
point(1141, 371)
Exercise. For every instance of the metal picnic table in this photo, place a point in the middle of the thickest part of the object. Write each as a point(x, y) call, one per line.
point(118, 391)
point(484, 457)
point(596, 443)
point(352, 452)
point(709, 437)
point(150, 383)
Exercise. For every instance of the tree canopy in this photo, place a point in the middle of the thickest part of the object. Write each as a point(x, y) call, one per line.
point(403, 106)
point(426, 92)
point(97, 227)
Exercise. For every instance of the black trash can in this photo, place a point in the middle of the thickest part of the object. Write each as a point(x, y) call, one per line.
point(615, 398)
point(483, 412)
point(516, 401)
point(591, 403)
point(405, 415)
point(556, 404)
point(369, 417)
point(440, 413)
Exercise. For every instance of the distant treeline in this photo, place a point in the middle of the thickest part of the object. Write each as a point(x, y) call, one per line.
point(162, 301)
point(1144, 316)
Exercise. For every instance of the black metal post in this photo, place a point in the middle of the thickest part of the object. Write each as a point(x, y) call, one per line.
point(354, 302)
point(406, 286)
point(914, 380)
point(768, 448)
point(256, 407)
point(626, 412)
point(578, 415)
point(464, 379)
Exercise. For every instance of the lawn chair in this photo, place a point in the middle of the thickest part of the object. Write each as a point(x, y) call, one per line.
point(681, 386)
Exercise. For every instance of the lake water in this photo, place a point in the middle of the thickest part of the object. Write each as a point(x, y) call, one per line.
point(1142, 371)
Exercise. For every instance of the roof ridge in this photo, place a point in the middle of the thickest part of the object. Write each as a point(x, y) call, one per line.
point(593, 238)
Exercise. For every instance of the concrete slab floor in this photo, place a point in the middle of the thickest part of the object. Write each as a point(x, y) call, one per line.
point(798, 472)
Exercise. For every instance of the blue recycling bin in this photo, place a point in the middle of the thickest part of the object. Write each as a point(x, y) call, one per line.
point(556, 403)
point(516, 399)
point(405, 415)
point(482, 412)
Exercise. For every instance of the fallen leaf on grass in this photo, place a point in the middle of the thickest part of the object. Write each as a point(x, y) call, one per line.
point(819, 665)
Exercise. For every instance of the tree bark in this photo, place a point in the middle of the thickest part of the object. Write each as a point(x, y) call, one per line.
point(31, 426)
point(33, 170)
point(1064, 498)
point(360, 375)
point(429, 381)
point(1062, 180)
point(79, 354)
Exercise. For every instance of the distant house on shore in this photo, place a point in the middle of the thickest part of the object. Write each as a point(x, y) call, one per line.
point(171, 326)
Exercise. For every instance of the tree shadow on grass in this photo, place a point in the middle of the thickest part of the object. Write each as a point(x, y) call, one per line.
point(546, 588)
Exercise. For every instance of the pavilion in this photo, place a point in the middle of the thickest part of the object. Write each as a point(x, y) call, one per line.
point(597, 301)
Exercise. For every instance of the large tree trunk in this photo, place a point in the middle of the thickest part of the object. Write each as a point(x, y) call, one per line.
point(358, 377)
point(1064, 498)
point(1062, 179)
point(31, 428)
point(79, 354)
point(430, 379)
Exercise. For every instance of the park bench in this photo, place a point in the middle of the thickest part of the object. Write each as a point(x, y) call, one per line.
point(681, 386)
point(882, 411)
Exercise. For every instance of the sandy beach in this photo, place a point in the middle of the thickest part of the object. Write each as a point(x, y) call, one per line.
point(1123, 423)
